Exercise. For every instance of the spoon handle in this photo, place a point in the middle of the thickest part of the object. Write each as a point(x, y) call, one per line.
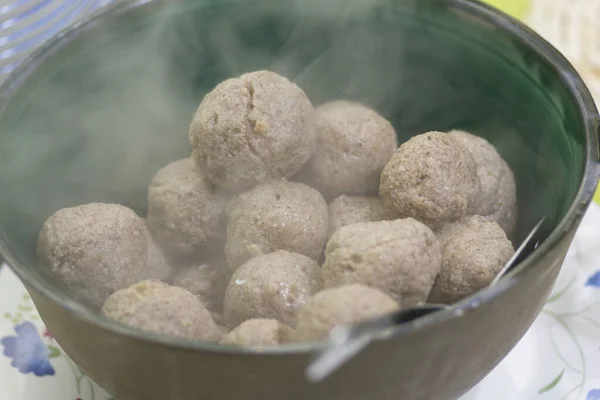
point(512, 261)
point(345, 341)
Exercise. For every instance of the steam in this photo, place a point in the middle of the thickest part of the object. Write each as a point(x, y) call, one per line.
point(120, 107)
point(116, 108)
point(113, 109)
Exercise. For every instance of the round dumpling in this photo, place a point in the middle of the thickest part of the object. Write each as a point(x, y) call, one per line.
point(157, 307)
point(94, 249)
point(184, 213)
point(497, 199)
point(276, 216)
point(252, 129)
point(274, 285)
point(431, 178)
point(401, 258)
point(354, 144)
point(474, 250)
point(340, 306)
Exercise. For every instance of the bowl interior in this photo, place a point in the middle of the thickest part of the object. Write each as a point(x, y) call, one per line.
point(94, 116)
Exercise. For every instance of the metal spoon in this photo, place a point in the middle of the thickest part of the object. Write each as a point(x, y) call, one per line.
point(346, 341)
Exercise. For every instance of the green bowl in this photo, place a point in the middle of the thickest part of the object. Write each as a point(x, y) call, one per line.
point(94, 114)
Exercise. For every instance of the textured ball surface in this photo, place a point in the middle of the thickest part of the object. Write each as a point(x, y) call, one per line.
point(431, 178)
point(348, 210)
point(276, 216)
point(474, 250)
point(94, 249)
point(497, 198)
point(340, 306)
point(157, 307)
point(353, 145)
point(207, 281)
point(401, 258)
point(258, 332)
point(274, 285)
point(253, 129)
point(184, 212)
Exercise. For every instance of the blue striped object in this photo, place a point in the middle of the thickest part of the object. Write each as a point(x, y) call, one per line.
point(26, 24)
